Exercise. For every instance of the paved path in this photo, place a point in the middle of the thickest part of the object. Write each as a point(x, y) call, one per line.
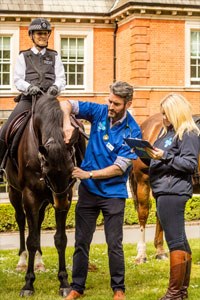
point(131, 235)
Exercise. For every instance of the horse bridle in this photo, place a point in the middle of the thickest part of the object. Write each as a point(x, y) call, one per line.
point(48, 182)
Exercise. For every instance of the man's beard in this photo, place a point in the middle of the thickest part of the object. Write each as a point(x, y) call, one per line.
point(115, 116)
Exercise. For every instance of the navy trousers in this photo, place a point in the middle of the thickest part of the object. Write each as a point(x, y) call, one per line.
point(87, 211)
point(170, 209)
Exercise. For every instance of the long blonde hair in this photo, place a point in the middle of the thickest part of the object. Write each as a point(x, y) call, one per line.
point(179, 113)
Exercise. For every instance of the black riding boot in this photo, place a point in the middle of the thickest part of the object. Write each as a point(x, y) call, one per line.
point(3, 149)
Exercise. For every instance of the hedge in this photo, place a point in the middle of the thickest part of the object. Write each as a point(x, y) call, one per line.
point(8, 223)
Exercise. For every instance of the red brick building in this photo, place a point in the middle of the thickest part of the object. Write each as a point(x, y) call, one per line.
point(154, 45)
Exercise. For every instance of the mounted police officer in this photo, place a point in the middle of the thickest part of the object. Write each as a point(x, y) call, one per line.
point(37, 70)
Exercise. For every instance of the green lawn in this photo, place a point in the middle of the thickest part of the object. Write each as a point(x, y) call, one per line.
point(148, 281)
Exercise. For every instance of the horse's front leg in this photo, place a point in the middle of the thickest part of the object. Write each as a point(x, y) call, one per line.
point(16, 201)
point(39, 263)
point(32, 242)
point(158, 241)
point(60, 240)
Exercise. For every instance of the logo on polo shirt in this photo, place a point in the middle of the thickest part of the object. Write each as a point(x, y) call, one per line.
point(101, 126)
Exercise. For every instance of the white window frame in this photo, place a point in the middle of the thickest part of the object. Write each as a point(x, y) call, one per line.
point(190, 26)
point(87, 34)
point(12, 32)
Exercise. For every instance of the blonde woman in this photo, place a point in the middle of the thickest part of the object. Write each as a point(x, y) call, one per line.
point(174, 160)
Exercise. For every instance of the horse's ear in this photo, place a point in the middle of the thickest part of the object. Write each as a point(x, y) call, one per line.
point(43, 150)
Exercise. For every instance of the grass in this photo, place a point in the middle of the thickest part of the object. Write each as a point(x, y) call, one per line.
point(147, 281)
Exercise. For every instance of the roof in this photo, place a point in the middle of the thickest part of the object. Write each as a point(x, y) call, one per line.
point(120, 3)
point(83, 6)
point(57, 6)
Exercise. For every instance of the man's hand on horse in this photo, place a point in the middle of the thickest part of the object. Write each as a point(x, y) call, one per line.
point(33, 90)
point(53, 90)
point(68, 131)
point(80, 174)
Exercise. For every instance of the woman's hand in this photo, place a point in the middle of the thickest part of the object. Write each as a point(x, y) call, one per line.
point(155, 153)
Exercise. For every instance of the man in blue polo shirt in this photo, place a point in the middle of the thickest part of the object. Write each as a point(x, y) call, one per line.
point(103, 174)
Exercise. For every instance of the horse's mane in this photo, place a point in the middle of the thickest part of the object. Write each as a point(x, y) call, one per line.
point(48, 114)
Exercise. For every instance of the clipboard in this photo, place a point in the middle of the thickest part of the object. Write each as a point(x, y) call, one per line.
point(139, 146)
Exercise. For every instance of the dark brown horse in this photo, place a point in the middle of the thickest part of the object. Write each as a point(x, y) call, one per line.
point(140, 188)
point(41, 176)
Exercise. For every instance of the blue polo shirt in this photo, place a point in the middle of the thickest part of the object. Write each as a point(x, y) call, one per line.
point(102, 153)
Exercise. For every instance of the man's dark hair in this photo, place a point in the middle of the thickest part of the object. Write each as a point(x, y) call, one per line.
point(123, 90)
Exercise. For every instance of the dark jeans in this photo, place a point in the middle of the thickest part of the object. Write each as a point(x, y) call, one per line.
point(87, 212)
point(170, 209)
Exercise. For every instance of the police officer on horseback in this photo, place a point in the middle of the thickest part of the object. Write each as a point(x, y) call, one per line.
point(37, 70)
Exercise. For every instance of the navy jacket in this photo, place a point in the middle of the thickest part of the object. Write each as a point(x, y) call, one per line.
point(173, 174)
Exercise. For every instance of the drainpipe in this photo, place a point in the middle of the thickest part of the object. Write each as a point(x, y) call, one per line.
point(114, 52)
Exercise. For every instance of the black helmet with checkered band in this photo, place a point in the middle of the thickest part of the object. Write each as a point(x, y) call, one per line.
point(39, 24)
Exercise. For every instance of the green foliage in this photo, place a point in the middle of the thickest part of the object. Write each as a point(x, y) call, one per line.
point(8, 223)
point(146, 281)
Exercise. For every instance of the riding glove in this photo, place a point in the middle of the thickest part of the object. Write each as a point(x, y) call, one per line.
point(53, 90)
point(33, 90)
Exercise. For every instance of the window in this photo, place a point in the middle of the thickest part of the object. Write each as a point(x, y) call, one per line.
point(76, 51)
point(5, 62)
point(192, 72)
point(195, 57)
point(9, 49)
point(72, 55)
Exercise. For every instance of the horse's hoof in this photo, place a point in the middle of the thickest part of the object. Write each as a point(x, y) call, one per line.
point(140, 260)
point(162, 256)
point(26, 293)
point(40, 268)
point(64, 292)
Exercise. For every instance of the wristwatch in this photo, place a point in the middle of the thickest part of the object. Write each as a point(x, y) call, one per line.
point(91, 175)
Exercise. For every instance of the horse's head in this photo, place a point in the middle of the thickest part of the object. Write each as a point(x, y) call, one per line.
point(57, 162)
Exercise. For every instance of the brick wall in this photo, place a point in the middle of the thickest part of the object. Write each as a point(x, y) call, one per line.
point(150, 54)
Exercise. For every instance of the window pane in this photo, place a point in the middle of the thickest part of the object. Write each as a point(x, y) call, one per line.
point(193, 72)
point(71, 68)
point(80, 48)
point(6, 79)
point(6, 54)
point(72, 79)
point(79, 68)
point(80, 79)
point(6, 68)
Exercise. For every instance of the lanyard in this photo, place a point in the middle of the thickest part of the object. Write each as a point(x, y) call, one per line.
point(106, 135)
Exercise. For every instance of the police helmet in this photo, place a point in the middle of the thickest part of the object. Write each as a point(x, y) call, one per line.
point(39, 24)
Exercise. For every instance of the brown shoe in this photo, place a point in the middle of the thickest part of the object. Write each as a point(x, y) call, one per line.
point(119, 295)
point(73, 295)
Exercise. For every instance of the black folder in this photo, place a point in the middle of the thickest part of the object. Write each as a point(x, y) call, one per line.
point(139, 146)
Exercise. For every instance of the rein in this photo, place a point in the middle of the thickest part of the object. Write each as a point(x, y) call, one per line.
point(48, 184)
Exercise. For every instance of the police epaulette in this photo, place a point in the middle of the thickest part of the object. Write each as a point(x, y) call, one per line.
point(52, 50)
point(24, 50)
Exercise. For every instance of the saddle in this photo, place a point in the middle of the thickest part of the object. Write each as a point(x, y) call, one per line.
point(14, 133)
